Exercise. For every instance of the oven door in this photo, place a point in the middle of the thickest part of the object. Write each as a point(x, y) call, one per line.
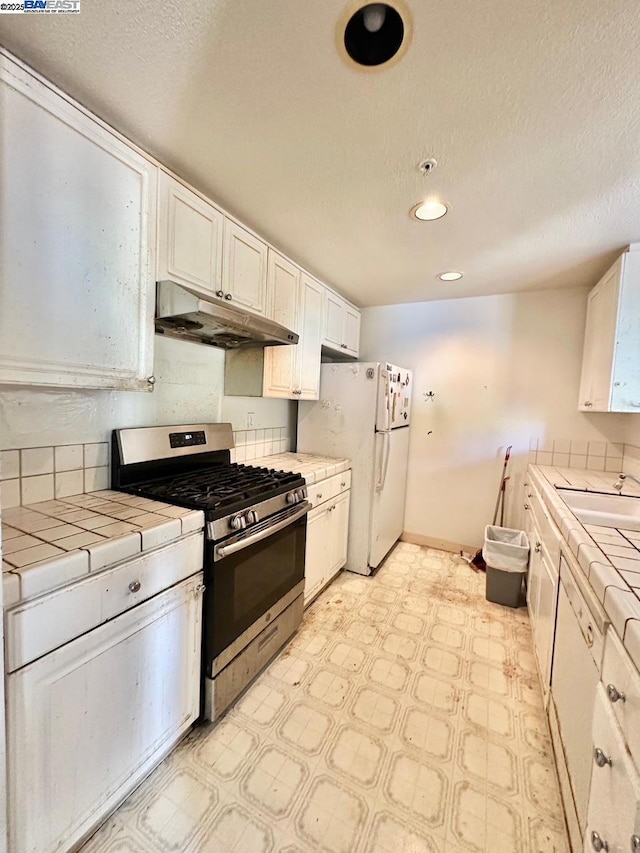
point(249, 573)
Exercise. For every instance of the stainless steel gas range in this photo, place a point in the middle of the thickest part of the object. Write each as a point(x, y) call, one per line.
point(256, 524)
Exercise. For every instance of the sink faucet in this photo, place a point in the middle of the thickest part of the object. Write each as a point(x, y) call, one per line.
point(619, 483)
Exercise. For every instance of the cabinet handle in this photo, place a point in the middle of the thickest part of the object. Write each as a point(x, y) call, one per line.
point(598, 843)
point(134, 586)
point(228, 297)
point(526, 506)
point(220, 293)
point(601, 759)
point(615, 695)
point(199, 590)
point(635, 843)
point(588, 404)
point(333, 507)
point(151, 380)
point(589, 636)
point(342, 485)
point(319, 495)
point(538, 547)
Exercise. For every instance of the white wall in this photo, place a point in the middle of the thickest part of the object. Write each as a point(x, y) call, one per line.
point(189, 389)
point(503, 369)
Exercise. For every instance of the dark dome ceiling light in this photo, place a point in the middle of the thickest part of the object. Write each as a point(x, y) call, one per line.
point(374, 34)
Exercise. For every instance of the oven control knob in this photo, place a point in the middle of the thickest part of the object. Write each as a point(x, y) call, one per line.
point(292, 498)
point(238, 522)
point(301, 494)
point(252, 516)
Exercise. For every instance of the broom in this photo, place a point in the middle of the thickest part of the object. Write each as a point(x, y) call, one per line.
point(477, 561)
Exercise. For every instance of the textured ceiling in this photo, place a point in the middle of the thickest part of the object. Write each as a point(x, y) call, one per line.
point(532, 110)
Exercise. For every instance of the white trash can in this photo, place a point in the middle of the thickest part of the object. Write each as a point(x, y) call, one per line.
point(506, 553)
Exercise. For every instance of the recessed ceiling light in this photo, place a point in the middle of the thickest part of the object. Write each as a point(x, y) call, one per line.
point(451, 275)
point(426, 211)
point(374, 34)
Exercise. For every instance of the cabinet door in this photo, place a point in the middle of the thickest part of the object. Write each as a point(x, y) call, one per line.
point(334, 309)
point(283, 306)
point(352, 330)
point(78, 211)
point(535, 570)
point(244, 272)
point(614, 797)
point(338, 534)
point(189, 238)
point(599, 343)
point(316, 553)
point(546, 621)
point(308, 348)
point(87, 722)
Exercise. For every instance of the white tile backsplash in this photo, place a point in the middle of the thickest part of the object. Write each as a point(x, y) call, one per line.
point(586, 455)
point(69, 483)
point(36, 460)
point(37, 474)
point(10, 493)
point(96, 455)
point(69, 457)
point(37, 489)
point(9, 465)
point(577, 460)
point(253, 444)
point(96, 479)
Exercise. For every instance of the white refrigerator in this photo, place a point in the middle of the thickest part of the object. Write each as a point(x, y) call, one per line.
point(363, 413)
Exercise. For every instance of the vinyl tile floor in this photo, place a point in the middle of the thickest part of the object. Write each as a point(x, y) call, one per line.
point(405, 715)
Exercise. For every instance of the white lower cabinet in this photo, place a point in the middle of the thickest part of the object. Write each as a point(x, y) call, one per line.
point(542, 600)
point(613, 821)
point(86, 723)
point(326, 552)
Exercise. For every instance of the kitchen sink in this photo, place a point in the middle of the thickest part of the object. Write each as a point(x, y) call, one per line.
point(621, 511)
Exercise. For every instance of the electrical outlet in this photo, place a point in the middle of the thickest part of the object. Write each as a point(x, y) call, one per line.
point(251, 420)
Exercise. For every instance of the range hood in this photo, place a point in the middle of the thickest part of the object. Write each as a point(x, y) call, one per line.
point(182, 314)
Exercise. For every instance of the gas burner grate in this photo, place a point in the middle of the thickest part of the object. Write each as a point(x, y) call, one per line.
point(218, 488)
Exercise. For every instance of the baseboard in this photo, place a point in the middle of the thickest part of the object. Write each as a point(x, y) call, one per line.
point(439, 544)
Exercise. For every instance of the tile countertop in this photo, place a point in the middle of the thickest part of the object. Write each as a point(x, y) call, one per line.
point(312, 467)
point(609, 557)
point(47, 545)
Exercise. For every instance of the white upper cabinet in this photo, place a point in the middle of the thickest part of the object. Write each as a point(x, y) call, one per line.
point(308, 349)
point(190, 235)
point(333, 321)
point(78, 211)
point(341, 325)
point(283, 290)
point(295, 300)
point(244, 270)
point(352, 330)
point(610, 379)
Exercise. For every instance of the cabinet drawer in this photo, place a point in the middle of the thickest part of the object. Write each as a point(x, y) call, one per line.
point(331, 487)
point(549, 533)
point(46, 623)
point(614, 799)
point(621, 679)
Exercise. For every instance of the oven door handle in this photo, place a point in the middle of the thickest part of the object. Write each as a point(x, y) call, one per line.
point(252, 538)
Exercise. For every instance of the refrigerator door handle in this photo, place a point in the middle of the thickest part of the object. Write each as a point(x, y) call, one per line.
point(385, 465)
point(387, 406)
